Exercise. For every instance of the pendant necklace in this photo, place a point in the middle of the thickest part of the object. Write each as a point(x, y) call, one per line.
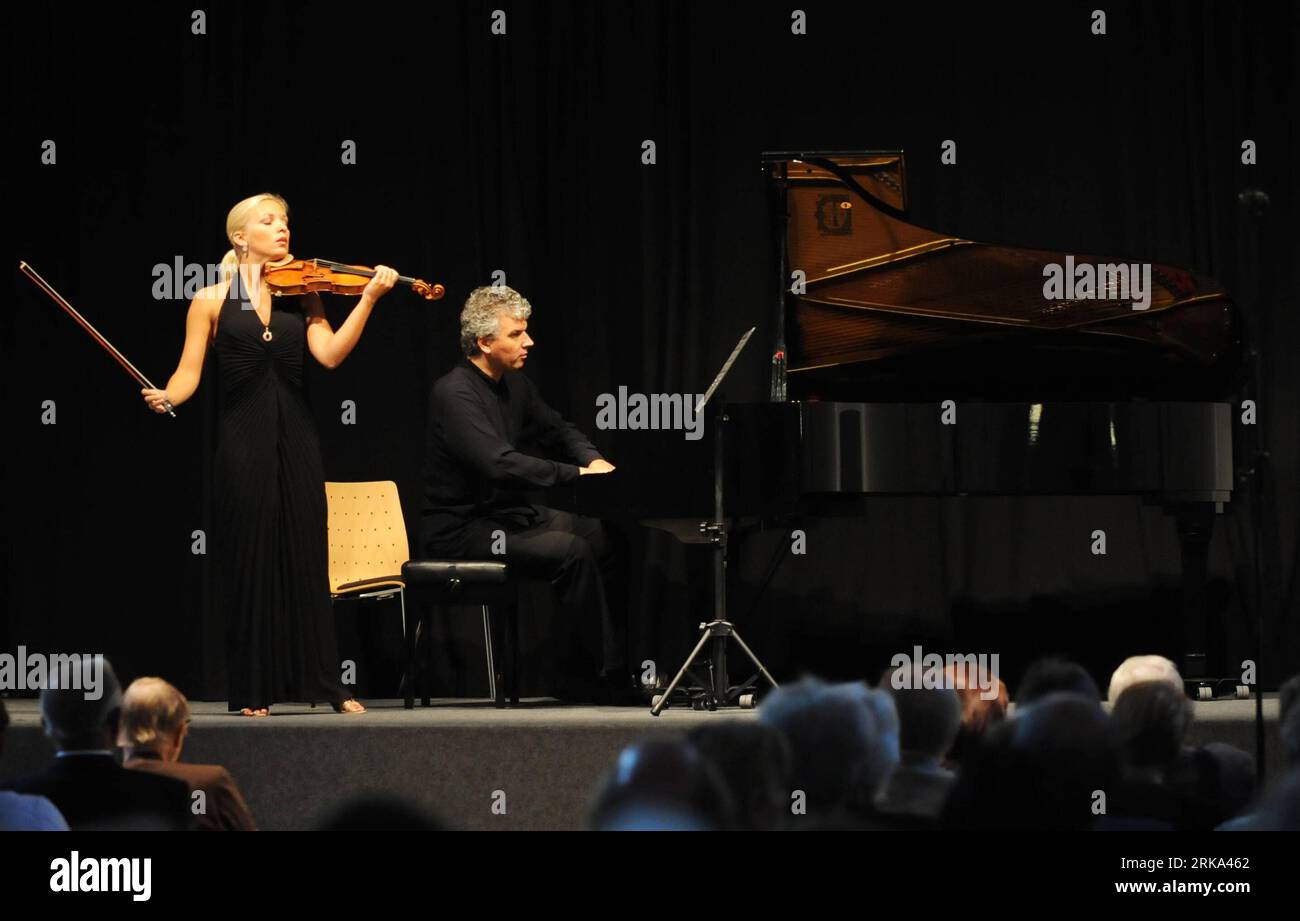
point(266, 327)
point(266, 331)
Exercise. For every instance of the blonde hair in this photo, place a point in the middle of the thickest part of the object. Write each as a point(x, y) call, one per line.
point(153, 712)
point(236, 220)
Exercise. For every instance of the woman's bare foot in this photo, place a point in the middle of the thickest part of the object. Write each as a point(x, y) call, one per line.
point(260, 711)
point(351, 705)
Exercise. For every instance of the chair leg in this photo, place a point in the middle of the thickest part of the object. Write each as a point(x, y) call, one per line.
point(334, 621)
point(512, 642)
point(426, 622)
point(498, 655)
point(408, 673)
point(401, 601)
point(487, 648)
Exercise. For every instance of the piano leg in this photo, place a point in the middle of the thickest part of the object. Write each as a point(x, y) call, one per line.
point(1195, 528)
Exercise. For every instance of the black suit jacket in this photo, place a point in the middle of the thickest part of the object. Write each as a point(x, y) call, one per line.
point(95, 792)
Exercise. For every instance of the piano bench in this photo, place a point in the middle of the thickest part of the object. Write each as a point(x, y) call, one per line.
point(435, 585)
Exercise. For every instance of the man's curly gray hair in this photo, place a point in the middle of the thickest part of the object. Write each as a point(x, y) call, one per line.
point(478, 319)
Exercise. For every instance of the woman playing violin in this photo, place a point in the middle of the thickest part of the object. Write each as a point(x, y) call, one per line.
point(270, 537)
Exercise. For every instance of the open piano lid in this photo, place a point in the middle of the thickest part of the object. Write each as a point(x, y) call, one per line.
point(891, 309)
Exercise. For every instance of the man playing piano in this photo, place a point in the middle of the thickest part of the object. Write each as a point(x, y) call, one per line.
point(476, 477)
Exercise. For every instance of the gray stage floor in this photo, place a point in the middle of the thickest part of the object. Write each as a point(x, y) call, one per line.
point(544, 710)
point(459, 758)
point(440, 712)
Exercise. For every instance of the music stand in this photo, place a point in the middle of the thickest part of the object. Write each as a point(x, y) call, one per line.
point(717, 691)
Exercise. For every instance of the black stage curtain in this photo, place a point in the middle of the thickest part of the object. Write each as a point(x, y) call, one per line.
point(522, 153)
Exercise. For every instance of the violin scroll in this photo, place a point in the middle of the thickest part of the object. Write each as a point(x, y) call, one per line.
point(427, 291)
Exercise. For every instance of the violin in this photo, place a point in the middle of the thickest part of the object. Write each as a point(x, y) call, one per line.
point(300, 276)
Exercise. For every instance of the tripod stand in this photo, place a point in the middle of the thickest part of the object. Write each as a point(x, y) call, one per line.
point(716, 690)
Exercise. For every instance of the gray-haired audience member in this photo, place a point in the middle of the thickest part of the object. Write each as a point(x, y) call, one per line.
point(928, 720)
point(662, 785)
point(155, 724)
point(86, 783)
point(24, 811)
point(754, 760)
point(1051, 674)
point(1136, 669)
point(843, 742)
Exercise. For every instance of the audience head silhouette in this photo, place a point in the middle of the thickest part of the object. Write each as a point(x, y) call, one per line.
point(74, 721)
point(664, 783)
point(1150, 720)
point(1051, 674)
point(928, 717)
point(843, 740)
point(754, 760)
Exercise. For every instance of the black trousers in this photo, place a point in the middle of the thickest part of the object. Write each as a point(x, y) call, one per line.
point(583, 561)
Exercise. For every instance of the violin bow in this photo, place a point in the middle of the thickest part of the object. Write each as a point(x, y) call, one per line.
point(94, 333)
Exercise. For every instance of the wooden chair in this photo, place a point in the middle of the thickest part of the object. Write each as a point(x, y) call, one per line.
point(367, 544)
point(369, 560)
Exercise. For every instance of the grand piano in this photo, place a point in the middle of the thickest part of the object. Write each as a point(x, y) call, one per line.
point(911, 362)
point(918, 322)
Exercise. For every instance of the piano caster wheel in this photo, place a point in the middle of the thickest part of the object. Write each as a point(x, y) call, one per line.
point(654, 701)
point(1204, 692)
point(699, 703)
point(748, 701)
point(1243, 692)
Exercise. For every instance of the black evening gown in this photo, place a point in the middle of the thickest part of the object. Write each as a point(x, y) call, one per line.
point(269, 497)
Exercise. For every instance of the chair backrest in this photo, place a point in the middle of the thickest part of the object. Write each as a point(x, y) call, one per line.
point(367, 533)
